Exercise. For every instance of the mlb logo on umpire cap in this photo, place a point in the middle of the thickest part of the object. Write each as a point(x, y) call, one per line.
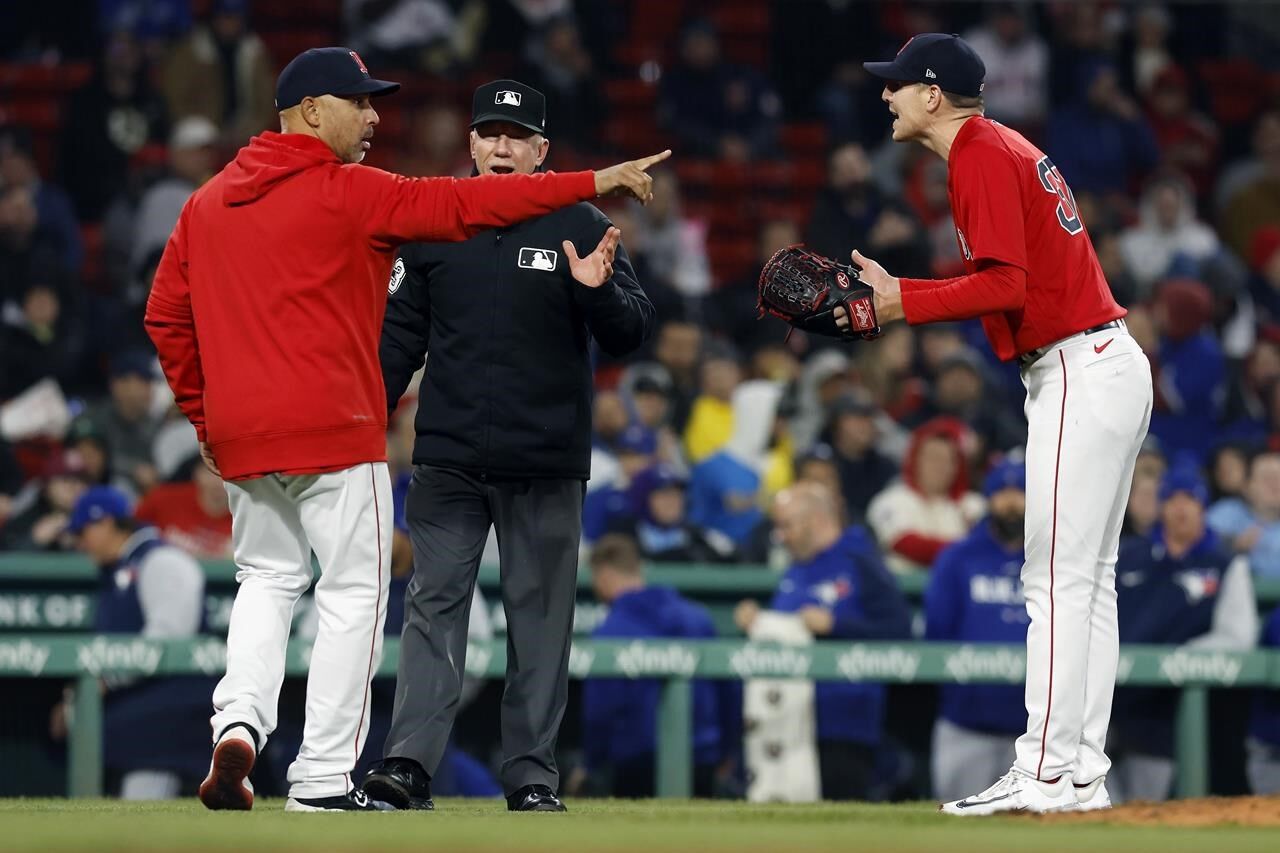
point(509, 101)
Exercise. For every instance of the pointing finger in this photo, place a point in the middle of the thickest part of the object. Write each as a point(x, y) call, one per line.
point(652, 159)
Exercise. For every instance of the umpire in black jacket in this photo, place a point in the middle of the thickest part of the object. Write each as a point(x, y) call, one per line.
point(504, 439)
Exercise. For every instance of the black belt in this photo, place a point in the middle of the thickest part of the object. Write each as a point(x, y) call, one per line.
point(1029, 358)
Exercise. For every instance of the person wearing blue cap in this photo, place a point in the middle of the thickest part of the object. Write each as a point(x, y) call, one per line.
point(1181, 587)
point(270, 295)
point(657, 519)
point(1032, 276)
point(150, 588)
point(605, 507)
point(975, 596)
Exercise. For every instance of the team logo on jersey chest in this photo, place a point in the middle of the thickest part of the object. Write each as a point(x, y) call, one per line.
point(538, 259)
point(397, 276)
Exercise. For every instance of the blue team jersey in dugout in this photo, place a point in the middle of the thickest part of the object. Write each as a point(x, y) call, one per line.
point(851, 580)
point(975, 596)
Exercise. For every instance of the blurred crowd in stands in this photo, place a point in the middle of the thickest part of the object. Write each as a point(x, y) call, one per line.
point(1163, 118)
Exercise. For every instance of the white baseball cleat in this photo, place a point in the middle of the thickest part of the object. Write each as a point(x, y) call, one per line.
point(1017, 792)
point(1093, 796)
point(227, 786)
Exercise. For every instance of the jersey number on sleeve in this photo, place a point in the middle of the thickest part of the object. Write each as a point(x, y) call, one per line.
point(1051, 179)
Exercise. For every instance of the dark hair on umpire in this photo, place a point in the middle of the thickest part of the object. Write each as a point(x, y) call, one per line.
point(616, 551)
point(964, 102)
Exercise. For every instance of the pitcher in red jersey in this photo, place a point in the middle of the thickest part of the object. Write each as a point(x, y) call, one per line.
point(1034, 280)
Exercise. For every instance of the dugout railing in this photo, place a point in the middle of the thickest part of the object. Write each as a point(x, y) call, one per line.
point(86, 657)
point(43, 592)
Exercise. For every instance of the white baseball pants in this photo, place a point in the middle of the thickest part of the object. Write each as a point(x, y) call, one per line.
point(1088, 407)
point(345, 517)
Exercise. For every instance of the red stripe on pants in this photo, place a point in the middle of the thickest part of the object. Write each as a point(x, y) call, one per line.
point(373, 639)
point(1053, 548)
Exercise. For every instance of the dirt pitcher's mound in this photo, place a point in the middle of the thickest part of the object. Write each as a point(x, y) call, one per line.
point(1211, 811)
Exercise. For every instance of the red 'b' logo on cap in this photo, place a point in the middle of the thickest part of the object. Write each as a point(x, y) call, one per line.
point(359, 62)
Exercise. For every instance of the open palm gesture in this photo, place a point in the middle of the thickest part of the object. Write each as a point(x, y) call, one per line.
point(596, 268)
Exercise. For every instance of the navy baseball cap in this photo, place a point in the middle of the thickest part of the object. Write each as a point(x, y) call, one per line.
point(935, 59)
point(1006, 475)
point(96, 504)
point(319, 71)
point(132, 363)
point(510, 100)
point(1186, 480)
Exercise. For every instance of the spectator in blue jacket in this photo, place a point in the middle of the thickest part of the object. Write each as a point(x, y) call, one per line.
point(975, 596)
point(1191, 370)
point(608, 505)
point(154, 731)
point(1264, 726)
point(619, 716)
point(1250, 524)
point(1178, 587)
point(1101, 142)
point(839, 586)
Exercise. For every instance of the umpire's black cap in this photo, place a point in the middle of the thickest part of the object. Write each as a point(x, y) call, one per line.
point(510, 100)
point(327, 71)
point(935, 59)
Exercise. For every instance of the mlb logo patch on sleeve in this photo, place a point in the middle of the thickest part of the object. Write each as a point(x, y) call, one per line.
point(538, 259)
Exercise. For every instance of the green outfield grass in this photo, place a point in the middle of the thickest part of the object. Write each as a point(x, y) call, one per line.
point(601, 825)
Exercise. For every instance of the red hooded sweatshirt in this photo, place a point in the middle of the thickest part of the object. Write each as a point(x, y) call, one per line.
point(920, 547)
point(267, 305)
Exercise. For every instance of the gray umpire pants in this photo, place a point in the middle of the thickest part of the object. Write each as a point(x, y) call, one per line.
point(539, 525)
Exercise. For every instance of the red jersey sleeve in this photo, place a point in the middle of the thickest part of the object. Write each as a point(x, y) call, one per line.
point(396, 209)
point(171, 326)
point(986, 198)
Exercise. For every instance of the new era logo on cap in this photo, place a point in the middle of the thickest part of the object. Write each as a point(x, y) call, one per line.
point(507, 97)
point(928, 72)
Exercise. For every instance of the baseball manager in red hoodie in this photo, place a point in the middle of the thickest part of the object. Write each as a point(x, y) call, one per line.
point(266, 312)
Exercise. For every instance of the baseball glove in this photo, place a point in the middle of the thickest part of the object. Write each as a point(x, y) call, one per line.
point(804, 289)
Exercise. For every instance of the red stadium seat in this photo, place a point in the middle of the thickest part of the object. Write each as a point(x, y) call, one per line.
point(32, 78)
point(284, 45)
point(92, 274)
point(40, 115)
point(804, 140)
point(1234, 93)
point(631, 95)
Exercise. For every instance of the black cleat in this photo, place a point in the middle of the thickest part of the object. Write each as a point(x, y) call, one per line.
point(534, 798)
point(354, 800)
point(399, 782)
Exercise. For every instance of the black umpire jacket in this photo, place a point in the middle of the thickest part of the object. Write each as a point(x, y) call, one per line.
point(508, 386)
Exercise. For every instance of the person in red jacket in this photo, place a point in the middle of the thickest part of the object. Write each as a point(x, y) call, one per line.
point(266, 311)
point(1034, 279)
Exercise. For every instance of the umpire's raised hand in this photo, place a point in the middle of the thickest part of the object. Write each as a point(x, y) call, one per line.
point(630, 178)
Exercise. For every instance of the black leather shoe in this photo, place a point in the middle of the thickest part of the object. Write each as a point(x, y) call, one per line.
point(400, 782)
point(534, 798)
